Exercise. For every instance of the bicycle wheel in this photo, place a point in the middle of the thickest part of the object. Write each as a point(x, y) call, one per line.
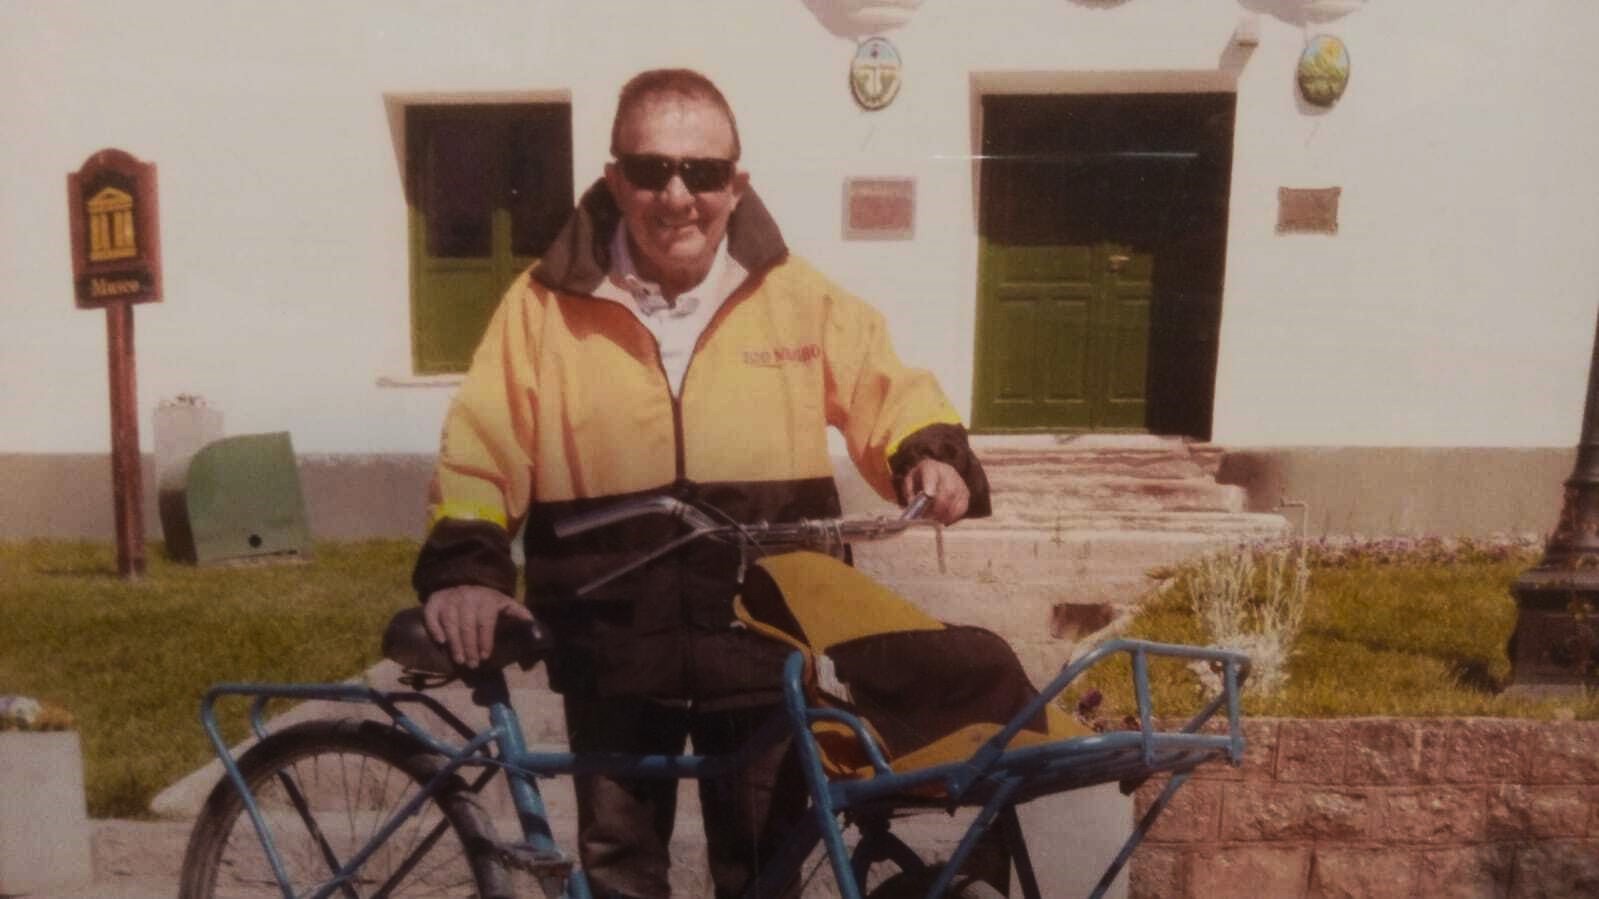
point(915, 884)
point(324, 789)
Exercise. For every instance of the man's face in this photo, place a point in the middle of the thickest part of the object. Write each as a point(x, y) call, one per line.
point(675, 231)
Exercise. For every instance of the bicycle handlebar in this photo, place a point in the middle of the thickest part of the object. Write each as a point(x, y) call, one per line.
point(599, 518)
point(820, 532)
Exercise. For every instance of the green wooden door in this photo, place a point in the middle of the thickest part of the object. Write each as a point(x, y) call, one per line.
point(1102, 229)
point(1065, 337)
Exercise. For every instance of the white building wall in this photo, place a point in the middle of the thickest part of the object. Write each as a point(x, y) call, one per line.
point(1454, 307)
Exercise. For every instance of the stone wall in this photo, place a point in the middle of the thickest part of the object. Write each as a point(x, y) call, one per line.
point(1378, 807)
point(1452, 492)
point(1403, 491)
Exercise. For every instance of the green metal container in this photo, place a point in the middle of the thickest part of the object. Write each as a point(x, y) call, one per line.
point(241, 500)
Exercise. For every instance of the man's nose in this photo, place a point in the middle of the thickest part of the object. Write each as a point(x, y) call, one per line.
point(676, 192)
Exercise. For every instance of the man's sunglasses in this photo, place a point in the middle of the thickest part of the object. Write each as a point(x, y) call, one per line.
point(652, 172)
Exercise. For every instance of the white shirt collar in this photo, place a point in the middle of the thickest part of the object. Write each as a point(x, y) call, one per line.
point(624, 284)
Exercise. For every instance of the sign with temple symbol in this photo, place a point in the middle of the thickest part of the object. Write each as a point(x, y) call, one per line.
point(116, 240)
point(874, 75)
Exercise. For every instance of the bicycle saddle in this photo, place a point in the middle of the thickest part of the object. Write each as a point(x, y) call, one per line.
point(406, 641)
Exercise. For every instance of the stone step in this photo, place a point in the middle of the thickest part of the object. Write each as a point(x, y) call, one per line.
point(1039, 498)
point(1080, 523)
point(1027, 464)
point(986, 550)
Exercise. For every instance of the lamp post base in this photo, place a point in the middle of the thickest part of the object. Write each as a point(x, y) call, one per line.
point(1555, 648)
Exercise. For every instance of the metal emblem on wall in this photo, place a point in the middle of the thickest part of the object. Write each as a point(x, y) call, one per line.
point(1323, 70)
point(874, 74)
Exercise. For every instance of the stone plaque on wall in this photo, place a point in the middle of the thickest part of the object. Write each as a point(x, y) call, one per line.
point(1307, 210)
point(879, 208)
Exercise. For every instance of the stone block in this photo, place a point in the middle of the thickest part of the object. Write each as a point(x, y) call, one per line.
point(1260, 751)
point(1554, 869)
point(1279, 872)
point(44, 823)
point(1156, 873)
point(1465, 872)
point(1541, 812)
point(1433, 815)
point(1484, 750)
point(1312, 751)
point(1563, 752)
point(1193, 814)
point(1346, 873)
point(1385, 751)
point(1265, 812)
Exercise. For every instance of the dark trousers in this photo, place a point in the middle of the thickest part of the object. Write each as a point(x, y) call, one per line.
point(625, 825)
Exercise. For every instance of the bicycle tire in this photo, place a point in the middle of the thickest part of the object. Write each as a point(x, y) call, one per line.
point(351, 775)
point(915, 884)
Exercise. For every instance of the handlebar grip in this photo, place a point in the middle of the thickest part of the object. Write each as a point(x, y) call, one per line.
point(915, 507)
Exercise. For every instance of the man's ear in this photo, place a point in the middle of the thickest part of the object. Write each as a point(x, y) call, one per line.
point(615, 182)
point(741, 183)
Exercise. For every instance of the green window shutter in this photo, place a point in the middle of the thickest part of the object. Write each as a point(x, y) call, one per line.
point(487, 186)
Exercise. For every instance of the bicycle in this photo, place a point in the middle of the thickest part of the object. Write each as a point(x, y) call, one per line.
point(354, 807)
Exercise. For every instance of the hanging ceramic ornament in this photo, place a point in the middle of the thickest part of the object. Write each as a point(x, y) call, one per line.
point(1323, 70)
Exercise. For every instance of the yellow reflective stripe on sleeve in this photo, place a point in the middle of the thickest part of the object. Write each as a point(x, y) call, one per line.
point(466, 512)
point(941, 420)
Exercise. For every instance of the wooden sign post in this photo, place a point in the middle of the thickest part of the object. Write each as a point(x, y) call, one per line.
point(116, 262)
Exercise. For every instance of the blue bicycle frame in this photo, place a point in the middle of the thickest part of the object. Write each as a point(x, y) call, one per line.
point(994, 779)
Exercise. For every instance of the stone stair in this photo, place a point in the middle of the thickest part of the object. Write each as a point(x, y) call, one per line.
point(1139, 482)
point(1078, 526)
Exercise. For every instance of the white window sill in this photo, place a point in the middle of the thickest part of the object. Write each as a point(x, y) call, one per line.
point(420, 380)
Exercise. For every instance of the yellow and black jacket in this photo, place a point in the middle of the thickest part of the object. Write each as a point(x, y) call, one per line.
point(567, 408)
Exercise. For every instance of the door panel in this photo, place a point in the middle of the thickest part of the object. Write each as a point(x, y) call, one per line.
point(1068, 337)
point(1041, 316)
point(1124, 344)
point(1063, 344)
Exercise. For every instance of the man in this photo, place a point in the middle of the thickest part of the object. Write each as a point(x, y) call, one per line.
point(668, 343)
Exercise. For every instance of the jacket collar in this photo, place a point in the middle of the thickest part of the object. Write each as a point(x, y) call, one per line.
point(580, 257)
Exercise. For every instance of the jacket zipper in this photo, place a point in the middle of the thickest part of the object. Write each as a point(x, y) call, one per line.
point(680, 452)
point(736, 296)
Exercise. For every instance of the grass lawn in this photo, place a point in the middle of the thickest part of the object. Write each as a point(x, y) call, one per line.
point(130, 660)
point(1402, 629)
point(1410, 631)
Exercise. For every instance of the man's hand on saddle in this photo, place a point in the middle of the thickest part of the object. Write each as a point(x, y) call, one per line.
point(944, 487)
point(462, 618)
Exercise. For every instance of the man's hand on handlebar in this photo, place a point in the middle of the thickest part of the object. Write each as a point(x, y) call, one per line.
point(462, 618)
point(941, 482)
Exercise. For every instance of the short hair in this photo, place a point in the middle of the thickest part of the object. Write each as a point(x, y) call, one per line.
point(656, 84)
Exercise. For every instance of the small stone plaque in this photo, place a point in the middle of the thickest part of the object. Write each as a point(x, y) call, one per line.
point(1307, 210)
point(879, 208)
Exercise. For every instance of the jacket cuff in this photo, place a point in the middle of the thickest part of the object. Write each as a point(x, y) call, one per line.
point(947, 443)
point(461, 552)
